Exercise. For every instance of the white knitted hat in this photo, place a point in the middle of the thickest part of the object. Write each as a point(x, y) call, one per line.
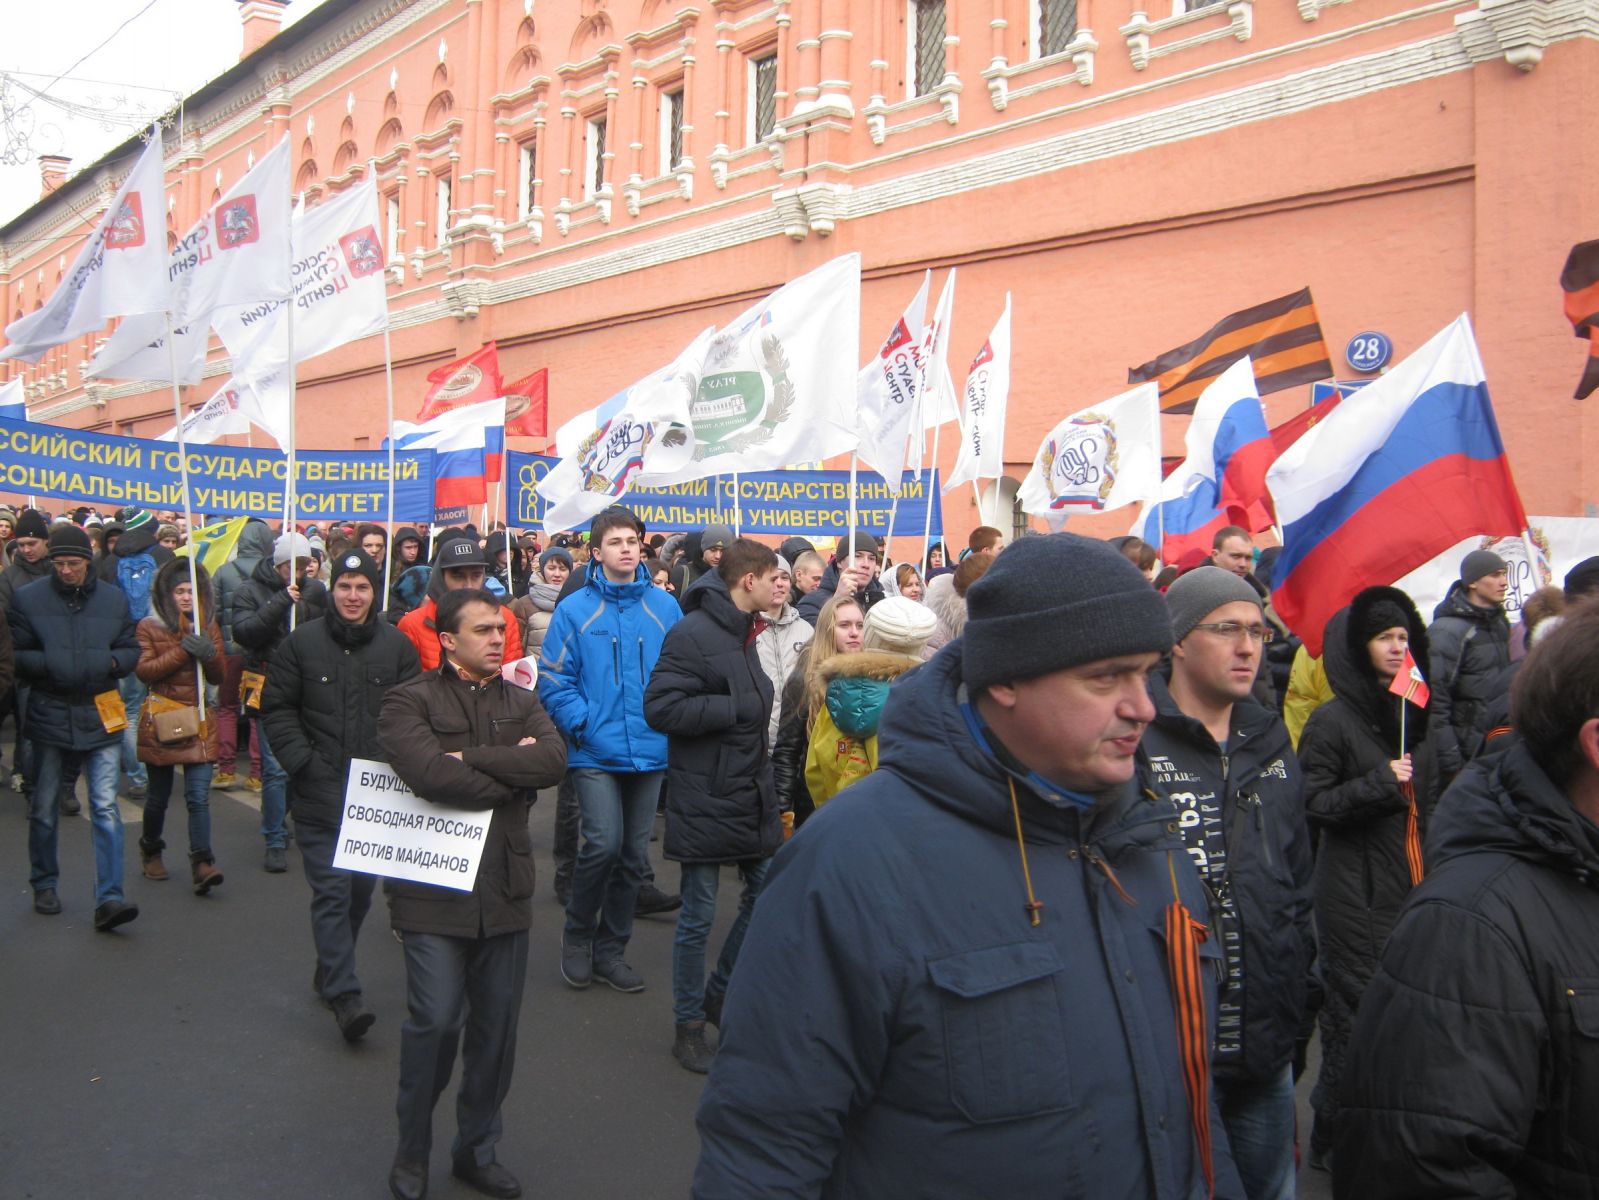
point(899, 625)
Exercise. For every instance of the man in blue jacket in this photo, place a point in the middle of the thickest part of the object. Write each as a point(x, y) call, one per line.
point(596, 659)
point(74, 640)
point(974, 973)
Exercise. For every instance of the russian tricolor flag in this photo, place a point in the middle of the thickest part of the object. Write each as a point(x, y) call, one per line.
point(462, 441)
point(1401, 471)
point(1222, 481)
point(13, 407)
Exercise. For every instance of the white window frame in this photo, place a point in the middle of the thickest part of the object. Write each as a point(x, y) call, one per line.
point(393, 226)
point(911, 64)
point(672, 100)
point(526, 163)
point(593, 156)
point(443, 195)
point(752, 109)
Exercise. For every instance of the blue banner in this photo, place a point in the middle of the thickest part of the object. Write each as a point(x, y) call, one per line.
point(231, 481)
point(795, 503)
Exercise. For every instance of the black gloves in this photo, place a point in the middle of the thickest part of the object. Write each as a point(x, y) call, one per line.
point(199, 646)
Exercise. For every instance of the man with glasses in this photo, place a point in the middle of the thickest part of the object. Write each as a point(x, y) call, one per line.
point(1227, 765)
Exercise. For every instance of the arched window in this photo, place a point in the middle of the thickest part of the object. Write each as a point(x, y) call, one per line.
point(389, 136)
point(439, 110)
point(345, 158)
point(308, 176)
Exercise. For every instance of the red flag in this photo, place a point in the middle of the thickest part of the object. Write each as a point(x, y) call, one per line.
point(1409, 683)
point(1291, 430)
point(527, 405)
point(469, 380)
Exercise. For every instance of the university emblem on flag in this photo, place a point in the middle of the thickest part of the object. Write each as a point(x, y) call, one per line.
point(362, 254)
point(236, 223)
point(127, 228)
point(735, 410)
point(1079, 466)
point(463, 383)
point(612, 454)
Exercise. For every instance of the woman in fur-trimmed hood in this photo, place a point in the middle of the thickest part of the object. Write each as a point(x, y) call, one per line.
point(175, 646)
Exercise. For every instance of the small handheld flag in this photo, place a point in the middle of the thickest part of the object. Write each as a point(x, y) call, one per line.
point(1409, 683)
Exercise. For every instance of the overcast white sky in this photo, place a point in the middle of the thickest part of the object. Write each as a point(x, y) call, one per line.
point(167, 49)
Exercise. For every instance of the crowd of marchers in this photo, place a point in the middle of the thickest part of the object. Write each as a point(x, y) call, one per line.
point(1052, 858)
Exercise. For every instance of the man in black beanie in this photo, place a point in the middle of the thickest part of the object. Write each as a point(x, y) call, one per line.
point(1470, 638)
point(30, 560)
point(993, 937)
point(324, 691)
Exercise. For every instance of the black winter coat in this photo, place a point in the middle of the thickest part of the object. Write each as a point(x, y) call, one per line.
point(260, 612)
point(70, 645)
point(138, 541)
point(810, 604)
point(423, 721)
point(19, 574)
point(1261, 824)
point(1470, 648)
point(709, 694)
point(1474, 1070)
point(793, 738)
point(1362, 875)
point(324, 693)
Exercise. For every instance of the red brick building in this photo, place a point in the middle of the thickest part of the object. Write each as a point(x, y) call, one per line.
point(591, 182)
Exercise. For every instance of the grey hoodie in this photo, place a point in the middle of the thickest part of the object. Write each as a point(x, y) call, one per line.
point(255, 543)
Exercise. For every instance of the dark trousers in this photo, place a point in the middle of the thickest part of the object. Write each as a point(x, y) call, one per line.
point(452, 982)
point(339, 903)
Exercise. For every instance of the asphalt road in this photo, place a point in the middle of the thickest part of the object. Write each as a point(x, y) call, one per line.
point(186, 1056)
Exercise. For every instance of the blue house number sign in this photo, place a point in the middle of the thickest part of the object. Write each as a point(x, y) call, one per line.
point(1369, 351)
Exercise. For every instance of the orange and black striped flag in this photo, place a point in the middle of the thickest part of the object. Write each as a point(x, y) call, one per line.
point(1282, 336)
point(1580, 282)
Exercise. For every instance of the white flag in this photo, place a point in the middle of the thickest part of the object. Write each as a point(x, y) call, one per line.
point(137, 349)
point(1099, 459)
point(121, 270)
point(982, 453)
point(238, 253)
point(640, 431)
point(218, 416)
point(888, 391)
point(339, 291)
point(777, 385)
point(939, 406)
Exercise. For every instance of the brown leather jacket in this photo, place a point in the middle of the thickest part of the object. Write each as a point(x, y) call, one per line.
point(168, 669)
point(422, 721)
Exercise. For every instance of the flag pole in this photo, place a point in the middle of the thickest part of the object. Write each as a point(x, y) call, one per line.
point(188, 516)
point(854, 480)
point(291, 500)
point(978, 493)
point(388, 429)
point(738, 509)
point(932, 478)
point(505, 510)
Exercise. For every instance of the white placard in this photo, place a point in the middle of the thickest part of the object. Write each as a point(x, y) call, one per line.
point(389, 830)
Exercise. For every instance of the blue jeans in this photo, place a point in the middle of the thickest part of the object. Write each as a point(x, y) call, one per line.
point(133, 694)
point(274, 792)
point(618, 812)
point(699, 886)
point(1259, 1119)
point(196, 795)
point(101, 765)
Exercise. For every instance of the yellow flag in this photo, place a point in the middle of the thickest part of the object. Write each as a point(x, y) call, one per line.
point(216, 542)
